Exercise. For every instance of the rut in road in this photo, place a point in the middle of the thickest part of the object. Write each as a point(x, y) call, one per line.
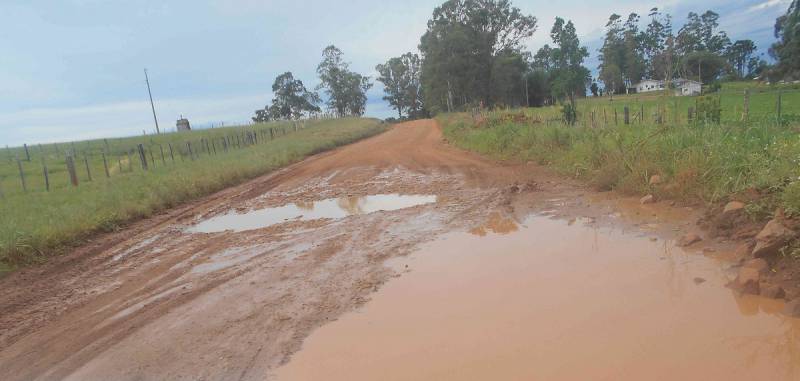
point(157, 301)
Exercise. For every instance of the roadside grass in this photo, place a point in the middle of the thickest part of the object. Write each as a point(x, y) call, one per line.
point(707, 162)
point(38, 224)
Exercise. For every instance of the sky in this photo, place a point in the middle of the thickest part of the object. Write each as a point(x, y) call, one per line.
point(73, 69)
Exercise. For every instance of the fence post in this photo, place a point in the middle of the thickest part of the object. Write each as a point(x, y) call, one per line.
point(627, 115)
point(152, 159)
point(171, 154)
point(21, 175)
point(46, 177)
point(86, 162)
point(641, 115)
point(27, 154)
point(271, 134)
point(163, 159)
point(142, 157)
point(105, 164)
point(119, 162)
point(73, 175)
point(214, 146)
point(189, 145)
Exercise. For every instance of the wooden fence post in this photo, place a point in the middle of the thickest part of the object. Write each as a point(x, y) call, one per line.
point(86, 162)
point(21, 175)
point(142, 156)
point(105, 164)
point(119, 162)
point(271, 134)
point(46, 177)
point(214, 146)
point(73, 175)
point(171, 154)
point(27, 154)
point(626, 115)
point(641, 114)
point(189, 145)
point(163, 159)
point(152, 159)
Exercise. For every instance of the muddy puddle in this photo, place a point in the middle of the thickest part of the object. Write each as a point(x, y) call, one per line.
point(552, 300)
point(306, 211)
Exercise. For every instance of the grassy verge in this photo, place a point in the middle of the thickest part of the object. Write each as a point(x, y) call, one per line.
point(37, 224)
point(757, 160)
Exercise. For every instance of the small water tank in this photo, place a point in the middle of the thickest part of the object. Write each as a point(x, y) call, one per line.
point(183, 124)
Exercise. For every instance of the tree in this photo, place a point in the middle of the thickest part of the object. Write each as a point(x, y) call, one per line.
point(594, 89)
point(787, 50)
point(346, 90)
point(704, 66)
point(700, 34)
point(292, 100)
point(739, 56)
point(401, 79)
point(464, 41)
point(569, 76)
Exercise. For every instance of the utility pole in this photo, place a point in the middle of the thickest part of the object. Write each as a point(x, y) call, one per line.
point(152, 106)
point(527, 99)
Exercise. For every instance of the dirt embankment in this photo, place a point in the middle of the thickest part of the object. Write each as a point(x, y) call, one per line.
point(158, 302)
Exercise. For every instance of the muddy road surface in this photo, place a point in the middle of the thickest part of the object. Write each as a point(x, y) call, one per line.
point(398, 257)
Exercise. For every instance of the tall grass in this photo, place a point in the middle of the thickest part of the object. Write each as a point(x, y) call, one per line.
point(698, 162)
point(38, 224)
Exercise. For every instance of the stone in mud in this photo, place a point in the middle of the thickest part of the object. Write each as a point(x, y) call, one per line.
point(749, 279)
point(733, 207)
point(689, 239)
point(771, 239)
point(759, 264)
point(655, 180)
point(792, 308)
point(772, 291)
point(649, 199)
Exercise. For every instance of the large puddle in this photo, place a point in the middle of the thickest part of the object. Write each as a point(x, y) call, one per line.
point(330, 208)
point(553, 300)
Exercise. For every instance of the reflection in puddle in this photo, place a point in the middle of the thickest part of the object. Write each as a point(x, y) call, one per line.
point(554, 302)
point(497, 223)
point(313, 210)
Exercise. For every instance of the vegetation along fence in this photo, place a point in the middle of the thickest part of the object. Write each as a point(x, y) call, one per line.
point(61, 166)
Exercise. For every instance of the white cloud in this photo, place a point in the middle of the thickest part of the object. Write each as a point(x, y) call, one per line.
point(768, 4)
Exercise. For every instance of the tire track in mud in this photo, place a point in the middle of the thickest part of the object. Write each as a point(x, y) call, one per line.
point(157, 302)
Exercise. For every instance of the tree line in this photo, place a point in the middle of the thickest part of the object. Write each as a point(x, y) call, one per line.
point(473, 54)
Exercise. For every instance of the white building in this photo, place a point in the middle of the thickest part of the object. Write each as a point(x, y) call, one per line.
point(649, 85)
point(680, 86)
point(687, 87)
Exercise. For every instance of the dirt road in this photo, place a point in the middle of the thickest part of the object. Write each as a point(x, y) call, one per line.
point(157, 301)
point(230, 286)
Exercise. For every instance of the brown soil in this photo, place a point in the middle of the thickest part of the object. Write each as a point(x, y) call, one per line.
point(156, 302)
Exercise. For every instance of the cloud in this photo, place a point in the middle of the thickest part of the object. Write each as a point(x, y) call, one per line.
point(768, 4)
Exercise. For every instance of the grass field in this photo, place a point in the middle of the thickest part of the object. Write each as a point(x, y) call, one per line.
point(39, 223)
point(757, 159)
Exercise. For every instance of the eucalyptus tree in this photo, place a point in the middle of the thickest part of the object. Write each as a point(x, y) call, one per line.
point(787, 50)
point(346, 90)
point(467, 47)
point(401, 80)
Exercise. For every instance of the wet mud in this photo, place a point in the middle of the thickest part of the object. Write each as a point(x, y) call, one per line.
point(257, 281)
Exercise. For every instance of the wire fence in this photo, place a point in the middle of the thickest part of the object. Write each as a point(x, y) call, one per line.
point(62, 166)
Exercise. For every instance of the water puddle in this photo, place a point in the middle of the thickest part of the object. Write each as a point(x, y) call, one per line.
point(551, 301)
point(331, 208)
